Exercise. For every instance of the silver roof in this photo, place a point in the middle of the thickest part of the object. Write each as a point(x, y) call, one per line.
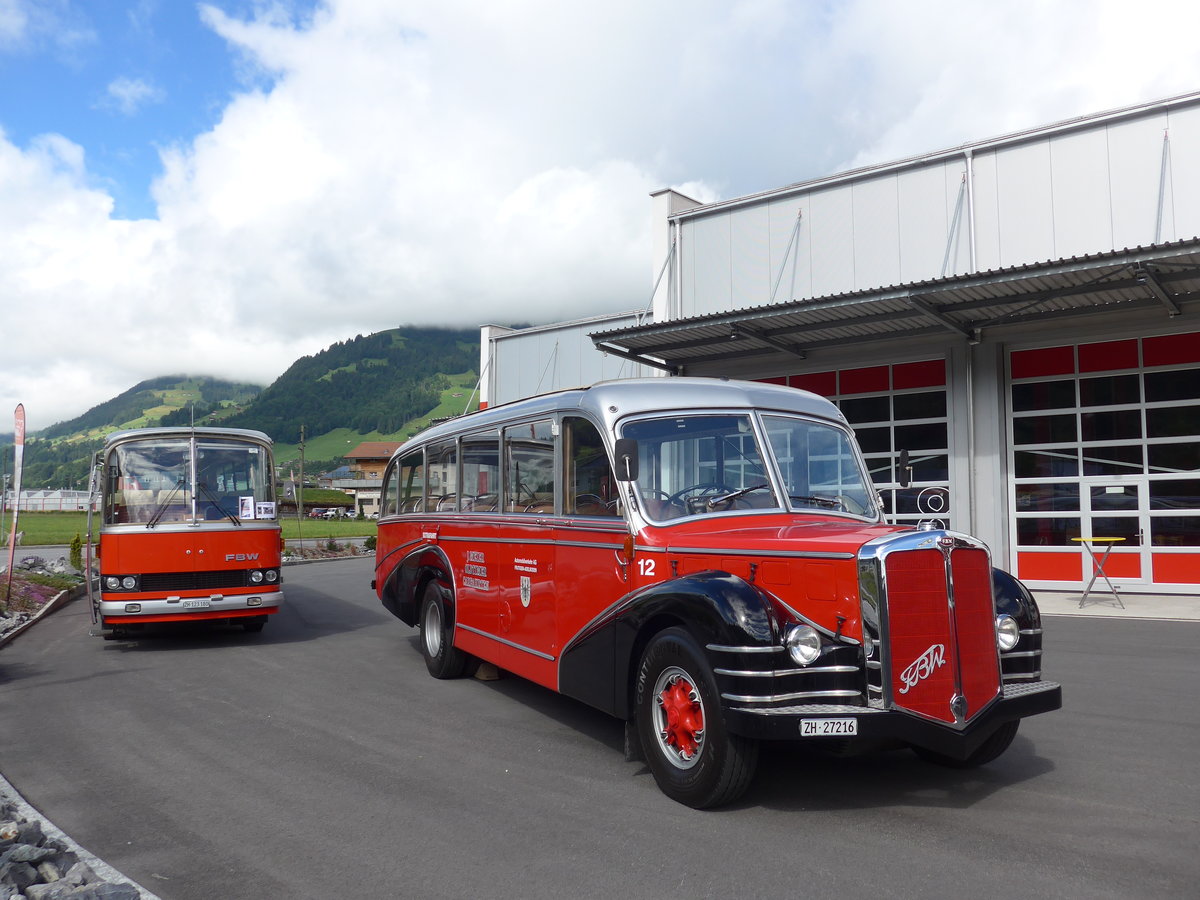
point(184, 431)
point(609, 402)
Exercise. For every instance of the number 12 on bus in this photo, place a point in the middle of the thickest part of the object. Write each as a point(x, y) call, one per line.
point(706, 560)
point(188, 530)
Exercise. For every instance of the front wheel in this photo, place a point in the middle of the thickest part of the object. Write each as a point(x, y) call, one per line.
point(984, 753)
point(442, 658)
point(693, 757)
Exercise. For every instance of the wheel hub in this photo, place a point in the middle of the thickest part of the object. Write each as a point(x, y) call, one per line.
point(680, 718)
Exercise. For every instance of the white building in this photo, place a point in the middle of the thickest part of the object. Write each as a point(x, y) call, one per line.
point(1022, 314)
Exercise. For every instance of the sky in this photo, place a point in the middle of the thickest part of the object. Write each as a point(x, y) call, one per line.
point(220, 188)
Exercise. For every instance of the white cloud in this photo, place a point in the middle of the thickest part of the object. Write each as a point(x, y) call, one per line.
point(453, 162)
point(128, 95)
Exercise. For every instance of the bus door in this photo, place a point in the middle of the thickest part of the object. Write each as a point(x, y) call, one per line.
point(451, 501)
point(591, 570)
point(525, 556)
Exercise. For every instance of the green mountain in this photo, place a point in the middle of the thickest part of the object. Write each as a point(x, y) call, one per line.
point(378, 387)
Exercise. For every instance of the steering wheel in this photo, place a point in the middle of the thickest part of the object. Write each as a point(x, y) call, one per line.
point(689, 498)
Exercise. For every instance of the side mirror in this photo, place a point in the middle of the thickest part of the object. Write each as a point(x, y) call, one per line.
point(627, 459)
point(904, 470)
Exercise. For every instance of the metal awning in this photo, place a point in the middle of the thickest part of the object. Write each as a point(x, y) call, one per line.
point(1165, 277)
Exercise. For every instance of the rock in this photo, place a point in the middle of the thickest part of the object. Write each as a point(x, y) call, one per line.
point(19, 875)
point(80, 873)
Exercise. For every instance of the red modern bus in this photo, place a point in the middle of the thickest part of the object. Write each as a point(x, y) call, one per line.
point(188, 529)
point(707, 560)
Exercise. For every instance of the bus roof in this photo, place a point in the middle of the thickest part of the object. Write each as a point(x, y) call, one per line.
point(611, 401)
point(185, 431)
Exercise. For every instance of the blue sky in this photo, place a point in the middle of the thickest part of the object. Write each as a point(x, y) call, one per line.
point(122, 79)
point(221, 187)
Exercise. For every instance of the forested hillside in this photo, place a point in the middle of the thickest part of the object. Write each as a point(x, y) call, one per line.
point(368, 384)
point(372, 385)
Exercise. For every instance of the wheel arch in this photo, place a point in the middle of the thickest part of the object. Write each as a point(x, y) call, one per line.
point(713, 607)
point(401, 592)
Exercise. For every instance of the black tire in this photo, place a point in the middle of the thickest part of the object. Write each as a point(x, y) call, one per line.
point(442, 658)
point(693, 757)
point(984, 753)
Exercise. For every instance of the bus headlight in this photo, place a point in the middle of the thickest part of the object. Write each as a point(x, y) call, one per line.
point(803, 644)
point(256, 577)
point(1008, 633)
point(112, 583)
point(129, 583)
point(272, 576)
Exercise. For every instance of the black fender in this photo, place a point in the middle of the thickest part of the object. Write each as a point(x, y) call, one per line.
point(400, 592)
point(1024, 661)
point(1013, 598)
point(715, 607)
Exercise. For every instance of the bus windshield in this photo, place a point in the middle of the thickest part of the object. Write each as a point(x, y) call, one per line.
point(690, 465)
point(181, 479)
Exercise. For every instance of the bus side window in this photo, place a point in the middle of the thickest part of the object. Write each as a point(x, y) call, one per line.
point(529, 468)
point(481, 472)
point(591, 487)
point(404, 489)
point(442, 495)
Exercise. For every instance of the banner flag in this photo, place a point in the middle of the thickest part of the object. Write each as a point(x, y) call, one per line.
point(18, 454)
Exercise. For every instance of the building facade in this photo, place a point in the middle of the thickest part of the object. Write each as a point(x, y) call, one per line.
point(1022, 315)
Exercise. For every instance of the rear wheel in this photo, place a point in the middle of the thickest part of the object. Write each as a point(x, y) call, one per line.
point(442, 659)
point(692, 756)
point(984, 753)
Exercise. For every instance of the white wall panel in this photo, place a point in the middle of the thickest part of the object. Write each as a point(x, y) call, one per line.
point(1024, 204)
point(987, 211)
point(1185, 174)
point(926, 209)
point(750, 257)
point(1135, 161)
point(831, 250)
point(710, 264)
point(794, 260)
point(876, 232)
point(1079, 172)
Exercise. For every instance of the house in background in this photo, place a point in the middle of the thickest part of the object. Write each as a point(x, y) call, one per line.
point(364, 478)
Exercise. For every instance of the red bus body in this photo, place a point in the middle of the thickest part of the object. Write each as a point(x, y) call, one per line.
point(189, 529)
point(557, 539)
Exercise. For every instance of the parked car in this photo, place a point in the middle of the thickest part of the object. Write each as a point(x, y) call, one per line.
point(317, 512)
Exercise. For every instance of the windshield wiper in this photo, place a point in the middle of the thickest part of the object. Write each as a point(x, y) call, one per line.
point(827, 502)
point(162, 507)
point(712, 502)
point(215, 501)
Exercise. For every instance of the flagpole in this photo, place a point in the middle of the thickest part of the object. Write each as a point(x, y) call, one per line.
point(18, 454)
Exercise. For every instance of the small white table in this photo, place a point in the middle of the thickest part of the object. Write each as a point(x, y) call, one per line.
point(1089, 545)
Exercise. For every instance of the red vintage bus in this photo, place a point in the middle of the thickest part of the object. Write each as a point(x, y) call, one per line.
point(188, 529)
point(706, 560)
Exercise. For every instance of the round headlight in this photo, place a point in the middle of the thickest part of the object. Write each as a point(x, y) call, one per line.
point(256, 577)
point(1008, 632)
point(272, 576)
point(112, 582)
point(129, 582)
point(803, 643)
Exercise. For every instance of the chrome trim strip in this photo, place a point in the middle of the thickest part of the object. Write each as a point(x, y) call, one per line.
point(723, 648)
point(505, 642)
point(1022, 653)
point(780, 673)
point(815, 709)
point(1031, 631)
point(782, 554)
point(1024, 676)
point(741, 698)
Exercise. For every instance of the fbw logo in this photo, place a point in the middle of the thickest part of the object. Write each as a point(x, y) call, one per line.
point(923, 666)
point(240, 557)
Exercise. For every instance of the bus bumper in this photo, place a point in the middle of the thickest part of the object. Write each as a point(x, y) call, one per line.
point(875, 726)
point(145, 611)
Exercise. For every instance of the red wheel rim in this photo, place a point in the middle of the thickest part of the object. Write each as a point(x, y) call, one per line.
point(678, 718)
